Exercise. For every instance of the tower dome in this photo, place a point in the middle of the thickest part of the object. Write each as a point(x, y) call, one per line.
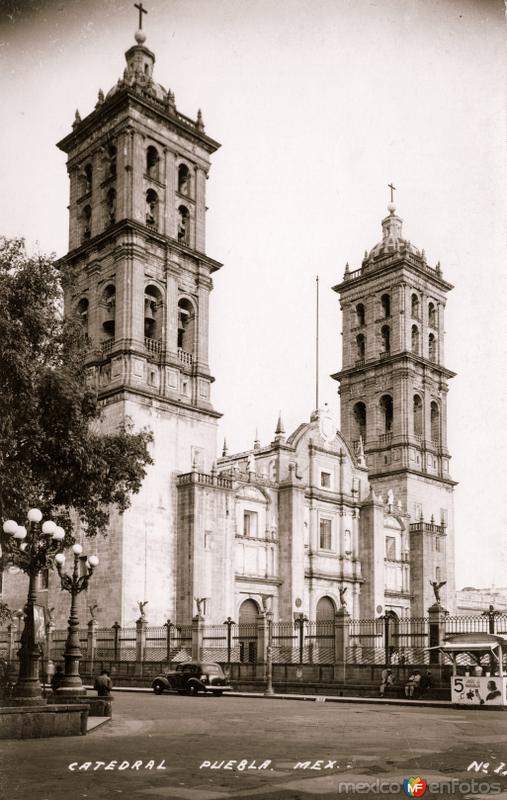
point(392, 238)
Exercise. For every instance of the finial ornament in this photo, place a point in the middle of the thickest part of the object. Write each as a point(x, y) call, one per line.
point(77, 119)
point(224, 449)
point(199, 124)
point(280, 429)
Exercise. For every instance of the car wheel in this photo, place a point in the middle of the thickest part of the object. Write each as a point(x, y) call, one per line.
point(192, 690)
point(158, 687)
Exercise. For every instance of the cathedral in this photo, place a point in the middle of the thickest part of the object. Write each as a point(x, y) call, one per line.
point(316, 517)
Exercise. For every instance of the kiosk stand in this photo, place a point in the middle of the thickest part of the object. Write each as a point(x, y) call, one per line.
point(478, 670)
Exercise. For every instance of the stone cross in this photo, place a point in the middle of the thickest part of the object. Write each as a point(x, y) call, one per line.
point(142, 11)
point(393, 189)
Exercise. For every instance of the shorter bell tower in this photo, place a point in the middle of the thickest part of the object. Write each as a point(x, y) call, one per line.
point(393, 389)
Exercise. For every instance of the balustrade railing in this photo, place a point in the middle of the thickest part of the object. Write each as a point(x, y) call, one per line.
point(153, 345)
point(185, 358)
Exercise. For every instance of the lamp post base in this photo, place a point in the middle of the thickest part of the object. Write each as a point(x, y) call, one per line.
point(20, 700)
point(28, 689)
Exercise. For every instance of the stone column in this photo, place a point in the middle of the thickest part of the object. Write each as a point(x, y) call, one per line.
point(437, 614)
point(197, 636)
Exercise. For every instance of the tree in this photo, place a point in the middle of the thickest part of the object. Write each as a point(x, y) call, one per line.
point(53, 454)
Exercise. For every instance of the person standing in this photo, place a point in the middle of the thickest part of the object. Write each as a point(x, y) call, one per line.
point(103, 684)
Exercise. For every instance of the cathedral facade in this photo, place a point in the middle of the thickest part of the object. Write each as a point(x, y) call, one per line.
point(312, 520)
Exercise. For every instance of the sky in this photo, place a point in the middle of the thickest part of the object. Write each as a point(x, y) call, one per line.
point(318, 106)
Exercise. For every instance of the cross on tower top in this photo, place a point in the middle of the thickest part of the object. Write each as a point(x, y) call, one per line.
point(393, 189)
point(142, 11)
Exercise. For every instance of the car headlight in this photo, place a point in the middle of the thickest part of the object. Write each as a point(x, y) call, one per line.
point(203, 678)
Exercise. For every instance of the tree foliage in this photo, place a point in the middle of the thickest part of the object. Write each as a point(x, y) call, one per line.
point(53, 454)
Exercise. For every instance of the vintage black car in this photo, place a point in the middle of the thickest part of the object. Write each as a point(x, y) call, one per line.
point(193, 678)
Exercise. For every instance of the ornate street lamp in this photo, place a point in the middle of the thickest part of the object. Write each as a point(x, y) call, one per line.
point(74, 584)
point(32, 551)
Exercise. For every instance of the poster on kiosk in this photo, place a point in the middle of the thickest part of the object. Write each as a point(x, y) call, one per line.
point(479, 690)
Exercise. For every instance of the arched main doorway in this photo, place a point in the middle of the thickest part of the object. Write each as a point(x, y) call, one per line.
point(324, 631)
point(247, 630)
point(391, 635)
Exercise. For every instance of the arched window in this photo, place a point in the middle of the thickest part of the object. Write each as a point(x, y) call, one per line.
point(435, 422)
point(153, 313)
point(111, 206)
point(360, 346)
point(108, 311)
point(360, 314)
point(385, 302)
point(152, 162)
point(152, 208)
point(186, 316)
point(82, 314)
point(418, 415)
point(386, 338)
point(184, 180)
point(432, 347)
point(111, 156)
point(183, 225)
point(415, 339)
point(88, 173)
point(432, 315)
point(359, 417)
point(415, 306)
point(386, 411)
point(86, 220)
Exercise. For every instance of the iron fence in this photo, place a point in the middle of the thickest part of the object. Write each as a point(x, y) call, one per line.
point(387, 639)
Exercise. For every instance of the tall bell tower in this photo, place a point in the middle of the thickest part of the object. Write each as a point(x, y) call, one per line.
point(393, 389)
point(138, 170)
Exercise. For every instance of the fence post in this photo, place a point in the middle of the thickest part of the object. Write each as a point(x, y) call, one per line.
point(116, 634)
point(197, 635)
point(11, 630)
point(261, 637)
point(141, 625)
point(91, 641)
point(437, 614)
point(341, 641)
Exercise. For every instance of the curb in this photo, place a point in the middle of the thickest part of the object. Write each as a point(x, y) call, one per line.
point(316, 698)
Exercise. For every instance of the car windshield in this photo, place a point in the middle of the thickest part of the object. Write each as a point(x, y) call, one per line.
point(213, 669)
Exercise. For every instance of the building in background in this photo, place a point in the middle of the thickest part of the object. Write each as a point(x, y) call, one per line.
point(309, 522)
point(471, 601)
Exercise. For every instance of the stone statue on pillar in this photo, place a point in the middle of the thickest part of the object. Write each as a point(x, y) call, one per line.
point(437, 585)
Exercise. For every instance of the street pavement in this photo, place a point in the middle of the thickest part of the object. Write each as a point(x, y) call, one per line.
point(210, 748)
